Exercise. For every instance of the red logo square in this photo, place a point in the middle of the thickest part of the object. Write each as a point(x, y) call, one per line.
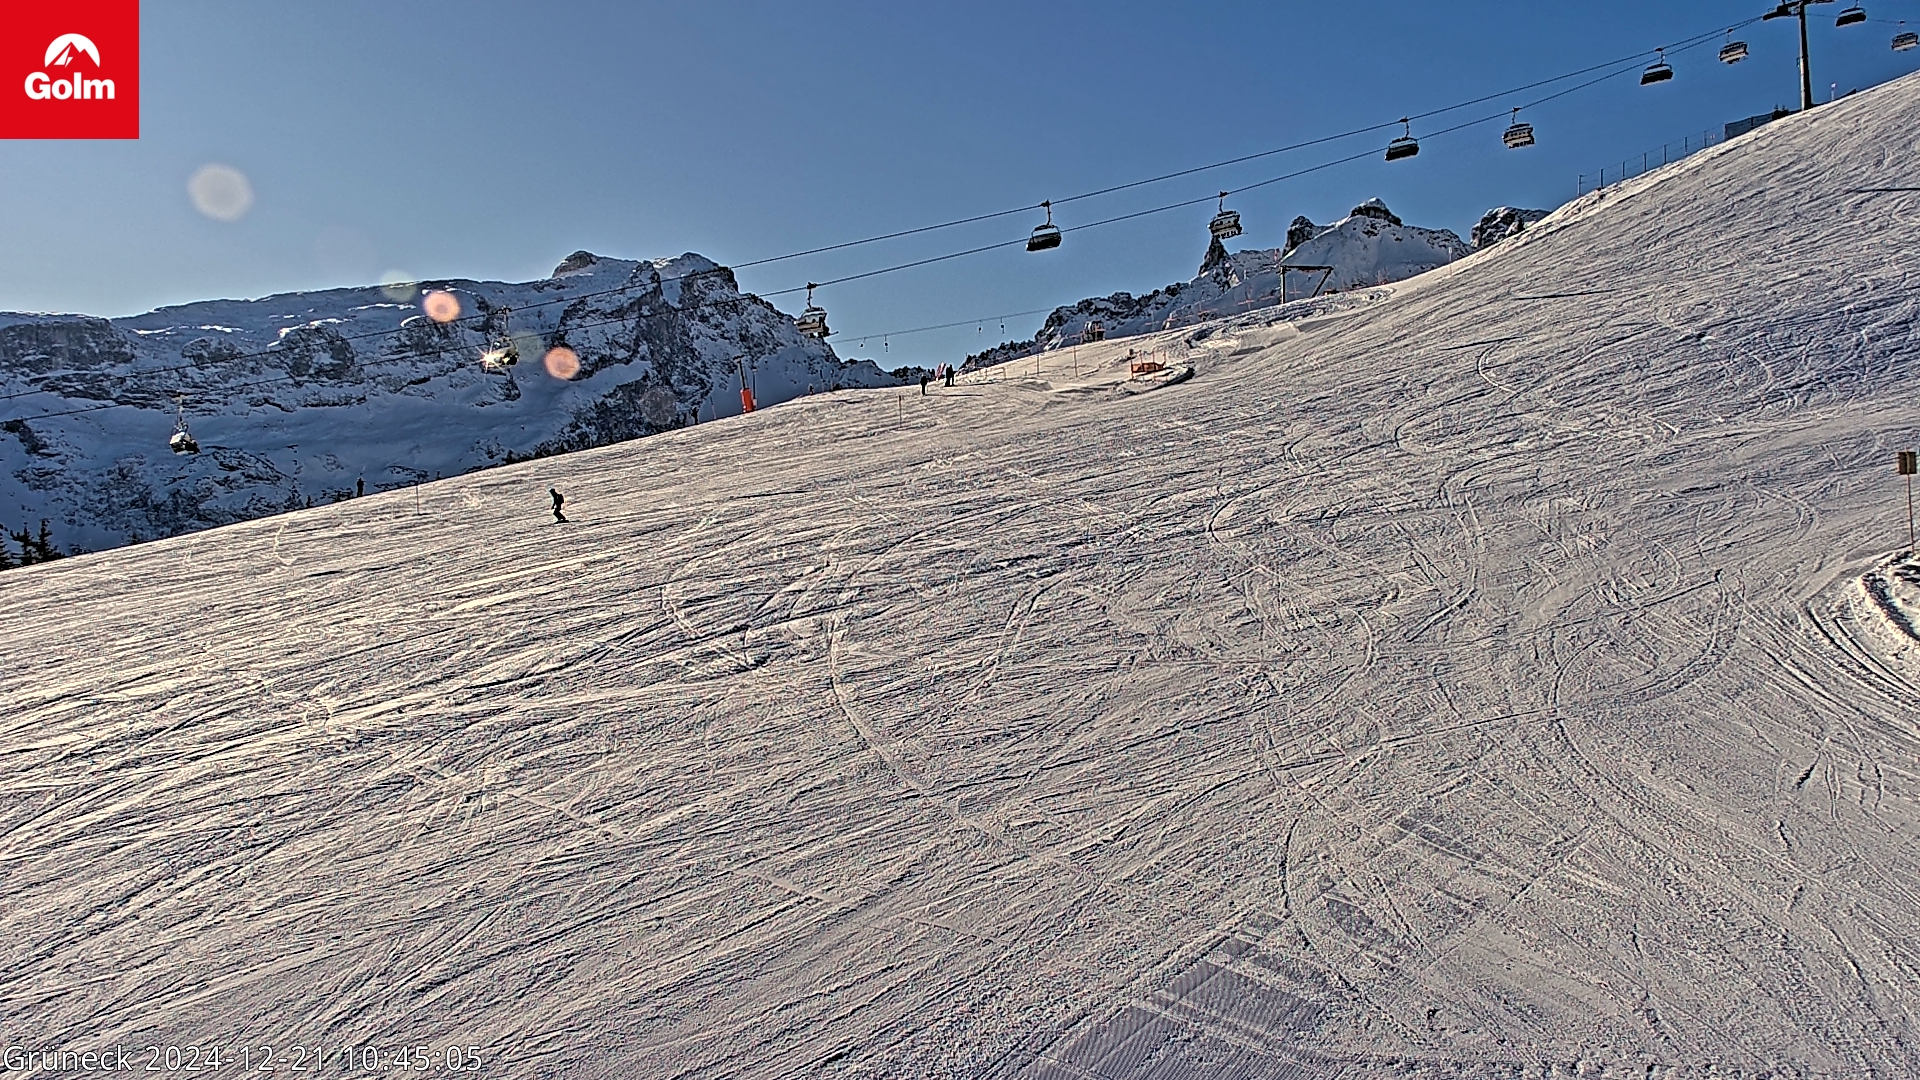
point(70, 69)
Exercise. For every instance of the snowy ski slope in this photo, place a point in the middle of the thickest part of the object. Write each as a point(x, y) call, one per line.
point(1517, 676)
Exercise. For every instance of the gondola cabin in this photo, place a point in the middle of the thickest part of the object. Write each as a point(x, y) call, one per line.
point(1518, 133)
point(1405, 146)
point(1225, 224)
point(1045, 236)
point(182, 441)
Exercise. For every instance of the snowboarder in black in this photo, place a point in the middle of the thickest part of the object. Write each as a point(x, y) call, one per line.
point(360, 487)
point(924, 380)
point(558, 498)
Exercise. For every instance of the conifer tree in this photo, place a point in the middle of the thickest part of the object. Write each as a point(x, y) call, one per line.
point(25, 540)
point(43, 549)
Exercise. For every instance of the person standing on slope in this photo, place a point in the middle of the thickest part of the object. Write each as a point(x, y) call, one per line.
point(558, 517)
point(924, 380)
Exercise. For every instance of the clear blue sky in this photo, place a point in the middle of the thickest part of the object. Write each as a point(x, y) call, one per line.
point(489, 139)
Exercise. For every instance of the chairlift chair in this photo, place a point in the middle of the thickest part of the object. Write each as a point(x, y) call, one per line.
point(1225, 224)
point(1094, 331)
point(1733, 51)
point(1045, 236)
point(182, 441)
point(1657, 72)
point(501, 352)
point(1852, 16)
point(813, 321)
point(1904, 40)
point(1405, 146)
point(1518, 134)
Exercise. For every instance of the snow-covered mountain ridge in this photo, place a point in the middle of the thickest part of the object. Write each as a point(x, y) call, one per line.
point(311, 396)
point(1369, 247)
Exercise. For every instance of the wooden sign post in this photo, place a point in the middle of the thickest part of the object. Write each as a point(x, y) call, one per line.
point(1908, 466)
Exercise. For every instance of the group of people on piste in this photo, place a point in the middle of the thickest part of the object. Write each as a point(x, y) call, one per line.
point(944, 372)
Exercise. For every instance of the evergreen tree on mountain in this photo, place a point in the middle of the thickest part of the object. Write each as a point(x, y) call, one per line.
point(43, 548)
point(34, 548)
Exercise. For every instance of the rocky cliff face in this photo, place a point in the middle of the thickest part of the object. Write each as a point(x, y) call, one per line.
point(1369, 247)
point(306, 396)
point(1501, 222)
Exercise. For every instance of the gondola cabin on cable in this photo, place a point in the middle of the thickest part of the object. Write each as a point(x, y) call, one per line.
point(1405, 146)
point(1518, 134)
point(1657, 72)
point(501, 352)
point(1852, 16)
point(1045, 236)
point(1904, 40)
point(1733, 51)
point(1226, 223)
point(813, 321)
point(182, 441)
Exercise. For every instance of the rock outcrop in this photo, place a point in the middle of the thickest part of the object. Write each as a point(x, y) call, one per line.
point(1501, 222)
point(1369, 247)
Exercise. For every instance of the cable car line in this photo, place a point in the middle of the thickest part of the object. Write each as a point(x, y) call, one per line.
point(1221, 164)
point(978, 322)
point(624, 320)
point(746, 298)
point(482, 319)
point(1684, 44)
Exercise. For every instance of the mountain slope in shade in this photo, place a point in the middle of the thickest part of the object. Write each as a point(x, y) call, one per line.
point(307, 397)
point(1512, 678)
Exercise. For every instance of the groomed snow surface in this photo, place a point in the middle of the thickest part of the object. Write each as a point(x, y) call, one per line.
point(1515, 677)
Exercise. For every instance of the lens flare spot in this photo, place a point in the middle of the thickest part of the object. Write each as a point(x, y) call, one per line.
point(562, 362)
point(441, 306)
point(221, 192)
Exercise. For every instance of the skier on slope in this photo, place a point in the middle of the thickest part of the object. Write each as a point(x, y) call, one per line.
point(558, 498)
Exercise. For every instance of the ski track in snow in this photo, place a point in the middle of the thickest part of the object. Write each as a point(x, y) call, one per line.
point(1513, 679)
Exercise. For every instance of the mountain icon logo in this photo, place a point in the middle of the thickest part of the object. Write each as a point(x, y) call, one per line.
point(61, 52)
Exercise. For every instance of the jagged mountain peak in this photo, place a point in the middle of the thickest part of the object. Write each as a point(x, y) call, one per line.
point(302, 396)
point(1374, 208)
